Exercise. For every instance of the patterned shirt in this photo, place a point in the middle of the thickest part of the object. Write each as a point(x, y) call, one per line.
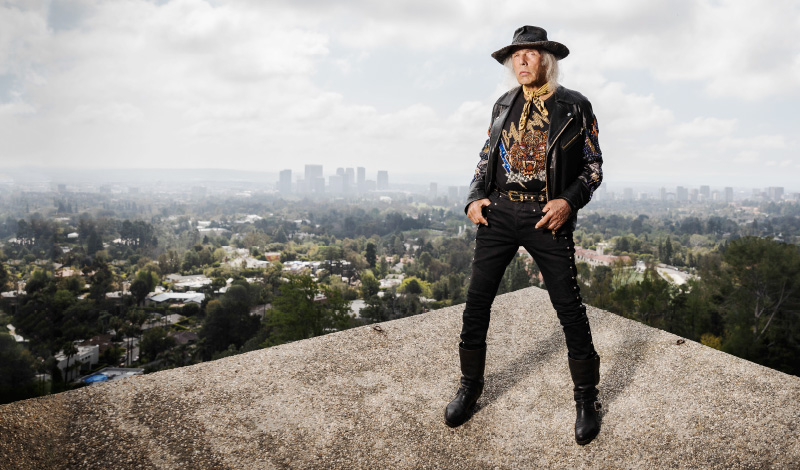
point(521, 166)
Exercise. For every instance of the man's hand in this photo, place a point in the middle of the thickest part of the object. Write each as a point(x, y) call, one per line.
point(475, 211)
point(556, 212)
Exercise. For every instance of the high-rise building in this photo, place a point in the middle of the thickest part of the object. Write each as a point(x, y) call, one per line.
point(317, 185)
point(383, 180)
point(775, 193)
point(452, 192)
point(361, 177)
point(432, 190)
point(627, 194)
point(312, 173)
point(705, 192)
point(663, 193)
point(336, 183)
point(728, 195)
point(349, 180)
point(285, 182)
point(681, 193)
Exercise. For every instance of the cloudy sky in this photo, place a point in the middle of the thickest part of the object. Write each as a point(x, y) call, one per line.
point(685, 92)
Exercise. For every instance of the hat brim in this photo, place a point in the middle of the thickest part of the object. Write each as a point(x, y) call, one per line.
point(558, 50)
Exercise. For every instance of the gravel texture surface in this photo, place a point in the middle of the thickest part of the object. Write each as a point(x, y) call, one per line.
point(364, 398)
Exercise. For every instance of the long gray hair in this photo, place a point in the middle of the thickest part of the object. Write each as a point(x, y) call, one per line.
point(549, 62)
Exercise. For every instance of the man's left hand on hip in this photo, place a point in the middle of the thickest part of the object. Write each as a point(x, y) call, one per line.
point(556, 212)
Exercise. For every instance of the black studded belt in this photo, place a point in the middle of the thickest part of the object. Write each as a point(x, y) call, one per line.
point(517, 196)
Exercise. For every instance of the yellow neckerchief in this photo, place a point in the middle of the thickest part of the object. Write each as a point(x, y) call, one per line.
point(536, 99)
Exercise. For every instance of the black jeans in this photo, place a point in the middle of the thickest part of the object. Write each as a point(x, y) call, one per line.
point(511, 225)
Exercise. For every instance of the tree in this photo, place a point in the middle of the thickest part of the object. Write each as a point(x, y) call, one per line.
point(369, 284)
point(3, 277)
point(94, 243)
point(416, 286)
point(69, 350)
point(139, 289)
point(667, 255)
point(16, 371)
point(156, 341)
point(371, 255)
point(413, 287)
point(101, 279)
point(374, 309)
point(304, 310)
point(228, 321)
point(763, 298)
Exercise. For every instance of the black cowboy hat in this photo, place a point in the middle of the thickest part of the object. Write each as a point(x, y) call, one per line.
point(533, 37)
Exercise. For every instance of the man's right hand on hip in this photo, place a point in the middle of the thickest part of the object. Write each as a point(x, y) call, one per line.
point(475, 211)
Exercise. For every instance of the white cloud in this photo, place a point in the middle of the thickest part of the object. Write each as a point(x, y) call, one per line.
point(240, 83)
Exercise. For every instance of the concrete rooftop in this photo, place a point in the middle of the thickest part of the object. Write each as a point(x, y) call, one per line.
point(374, 399)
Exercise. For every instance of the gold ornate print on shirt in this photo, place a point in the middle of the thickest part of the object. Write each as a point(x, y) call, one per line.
point(526, 155)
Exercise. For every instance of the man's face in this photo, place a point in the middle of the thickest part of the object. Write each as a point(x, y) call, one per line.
point(528, 67)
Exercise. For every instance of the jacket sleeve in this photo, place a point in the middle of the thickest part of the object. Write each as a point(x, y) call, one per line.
point(579, 193)
point(477, 188)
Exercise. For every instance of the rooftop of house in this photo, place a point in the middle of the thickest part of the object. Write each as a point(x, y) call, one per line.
point(374, 398)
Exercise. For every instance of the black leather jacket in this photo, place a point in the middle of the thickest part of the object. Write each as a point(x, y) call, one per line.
point(574, 160)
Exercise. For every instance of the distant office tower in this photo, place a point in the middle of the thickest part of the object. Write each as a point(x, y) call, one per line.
point(312, 173)
point(715, 195)
point(349, 180)
point(340, 171)
point(383, 180)
point(681, 193)
point(317, 185)
point(663, 193)
point(627, 194)
point(694, 195)
point(361, 175)
point(452, 192)
point(775, 193)
point(728, 195)
point(434, 188)
point(705, 192)
point(285, 182)
point(336, 183)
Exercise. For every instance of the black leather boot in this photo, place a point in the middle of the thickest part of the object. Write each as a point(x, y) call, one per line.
point(586, 376)
point(473, 362)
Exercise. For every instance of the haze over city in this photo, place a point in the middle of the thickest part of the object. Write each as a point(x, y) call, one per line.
point(686, 93)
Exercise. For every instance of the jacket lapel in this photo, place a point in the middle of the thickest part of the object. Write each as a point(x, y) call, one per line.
point(559, 118)
point(500, 122)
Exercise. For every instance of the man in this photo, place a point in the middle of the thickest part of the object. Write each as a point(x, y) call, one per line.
point(541, 163)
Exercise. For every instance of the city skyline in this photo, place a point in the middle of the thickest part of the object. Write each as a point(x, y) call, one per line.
point(420, 184)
